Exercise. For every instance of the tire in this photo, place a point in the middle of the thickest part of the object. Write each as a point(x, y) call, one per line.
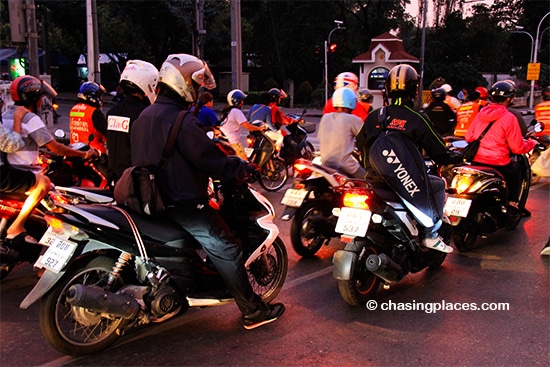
point(526, 181)
point(308, 152)
point(304, 237)
point(274, 174)
point(267, 274)
point(363, 284)
point(75, 330)
point(464, 235)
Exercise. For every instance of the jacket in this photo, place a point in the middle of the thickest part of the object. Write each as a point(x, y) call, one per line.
point(86, 120)
point(504, 136)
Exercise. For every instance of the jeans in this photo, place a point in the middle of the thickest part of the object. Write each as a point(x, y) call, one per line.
point(223, 249)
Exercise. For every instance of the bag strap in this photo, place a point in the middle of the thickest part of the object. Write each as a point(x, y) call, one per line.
point(169, 146)
point(485, 131)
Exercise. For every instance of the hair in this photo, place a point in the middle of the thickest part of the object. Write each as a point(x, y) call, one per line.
point(204, 98)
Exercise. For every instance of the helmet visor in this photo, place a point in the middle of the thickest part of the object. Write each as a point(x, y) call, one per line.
point(47, 90)
point(204, 77)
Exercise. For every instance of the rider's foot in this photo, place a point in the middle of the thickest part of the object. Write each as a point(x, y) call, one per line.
point(437, 244)
point(525, 212)
point(265, 314)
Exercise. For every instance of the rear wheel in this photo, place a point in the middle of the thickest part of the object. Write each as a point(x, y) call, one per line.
point(274, 174)
point(267, 274)
point(363, 284)
point(308, 152)
point(76, 330)
point(305, 232)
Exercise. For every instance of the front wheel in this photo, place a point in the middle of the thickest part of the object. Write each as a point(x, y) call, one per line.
point(267, 273)
point(75, 330)
point(464, 235)
point(307, 231)
point(274, 174)
point(363, 284)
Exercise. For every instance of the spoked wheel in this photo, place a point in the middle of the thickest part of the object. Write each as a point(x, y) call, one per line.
point(76, 330)
point(363, 284)
point(267, 274)
point(274, 174)
point(305, 233)
point(464, 235)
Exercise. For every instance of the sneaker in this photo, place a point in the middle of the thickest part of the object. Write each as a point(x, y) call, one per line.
point(437, 244)
point(525, 212)
point(264, 315)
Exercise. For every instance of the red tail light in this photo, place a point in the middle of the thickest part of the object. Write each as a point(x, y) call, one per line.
point(302, 167)
point(356, 199)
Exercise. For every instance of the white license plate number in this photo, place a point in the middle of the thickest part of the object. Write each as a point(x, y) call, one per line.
point(353, 222)
point(248, 151)
point(457, 207)
point(57, 255)
point(294, 197)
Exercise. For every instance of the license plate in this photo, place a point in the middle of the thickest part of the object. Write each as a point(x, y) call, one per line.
point(294, 197)
point(353, 222)
point(457, 207)
point(248, 151)
point(57, 255)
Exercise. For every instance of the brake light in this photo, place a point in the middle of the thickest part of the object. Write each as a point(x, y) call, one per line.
point(462, 183)
point(302, 166)
point(56, 224)
point(356, 200)
point(250, 141)
point(55, 106)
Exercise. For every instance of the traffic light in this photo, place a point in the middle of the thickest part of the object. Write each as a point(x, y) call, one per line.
point(318, 53)
point(332, 47)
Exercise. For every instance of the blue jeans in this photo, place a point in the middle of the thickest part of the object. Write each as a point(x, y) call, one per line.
point(223, 249)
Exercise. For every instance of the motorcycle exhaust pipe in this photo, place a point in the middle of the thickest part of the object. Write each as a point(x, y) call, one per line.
point(99, 300)
point(384, 267)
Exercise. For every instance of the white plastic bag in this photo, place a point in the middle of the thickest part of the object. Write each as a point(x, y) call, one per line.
point(541, 167)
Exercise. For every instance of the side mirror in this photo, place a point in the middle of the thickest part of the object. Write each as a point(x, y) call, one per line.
point(59, 133)
point(539, 127)
point(91, 138)
point(210, 134)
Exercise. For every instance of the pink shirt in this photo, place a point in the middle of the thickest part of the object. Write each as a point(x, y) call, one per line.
point(504, 136)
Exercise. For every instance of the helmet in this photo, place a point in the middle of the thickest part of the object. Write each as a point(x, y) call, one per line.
point(277, 94)
point(501, 91)
point(546, 93)
point(344, 98)
point(447, 88)
point(91, 92)
point(402, 80)
point(179, 71)
point(365, 95)
point(235, 97)
point(140, 76)
point(439, 94)
point(347, 79)
point(483, 93)
point(27, 90)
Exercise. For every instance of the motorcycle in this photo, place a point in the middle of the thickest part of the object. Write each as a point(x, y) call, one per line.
point(309, 204)
point(382, 242)
point(543, 141)
point(295, 144)
point(10, 206)
point(262, 151)
point(108, 270)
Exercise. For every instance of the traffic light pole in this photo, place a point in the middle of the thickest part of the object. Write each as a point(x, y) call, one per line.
point(327, 42)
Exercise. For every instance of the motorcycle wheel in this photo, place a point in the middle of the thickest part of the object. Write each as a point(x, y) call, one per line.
point(267, 274)
point(464, 235)
point(308, 152)
point(526, 181)
point(274, 174)
point(74, 330)
point(304, 236)
point(363, 284)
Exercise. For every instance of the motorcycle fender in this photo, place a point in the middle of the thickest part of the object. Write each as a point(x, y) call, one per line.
point(288, 213)
point(49, 278)
point(344, 262)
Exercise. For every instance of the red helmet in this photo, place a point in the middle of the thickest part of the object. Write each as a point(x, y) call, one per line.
point(483, 92)
point(27, 90)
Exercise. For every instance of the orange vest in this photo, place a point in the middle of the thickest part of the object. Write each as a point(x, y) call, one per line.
point(367, 106)
point(82, 127)
point(464, 116)
point(542, 114)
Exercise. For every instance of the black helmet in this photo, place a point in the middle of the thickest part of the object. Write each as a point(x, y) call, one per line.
point(26, 90)
point(501, 91)
point(439, 94)
point(546, 93)
point(402, 81)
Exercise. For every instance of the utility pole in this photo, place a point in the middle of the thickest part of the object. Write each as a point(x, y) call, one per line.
point(32, 37)
point(94, 74)
point(201, 32)
point(236, 45)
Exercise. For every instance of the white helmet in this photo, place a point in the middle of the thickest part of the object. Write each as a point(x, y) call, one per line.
point(235, 97)
point(142, 75)
point(447, 88)
point(179, 71)
point(344, 98)
point(347, 79)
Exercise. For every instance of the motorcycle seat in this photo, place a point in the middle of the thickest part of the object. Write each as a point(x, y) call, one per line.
point(487, 169)
point(389, 196)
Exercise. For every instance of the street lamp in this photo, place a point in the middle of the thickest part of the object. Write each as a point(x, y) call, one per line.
point(519, 30)
point(327, 42)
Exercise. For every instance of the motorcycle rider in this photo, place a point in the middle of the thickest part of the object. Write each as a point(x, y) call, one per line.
point(138, 82)
point(351, 81)
point(184, 179)
point(391, 140)
point(86, 117)
point(365, 100)
point(466, 112)
point(337, 132)
point(21, 170)
point(204, 112)
point(452, 101)
point(439, 112)
point(542, 111)
point(503, 138)
point(483, 96)
point(233, 118)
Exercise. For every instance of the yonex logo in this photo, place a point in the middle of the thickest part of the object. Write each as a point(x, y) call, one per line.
point(391, 158)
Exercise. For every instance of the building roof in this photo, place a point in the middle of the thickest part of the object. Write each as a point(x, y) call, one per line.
point(392, 47)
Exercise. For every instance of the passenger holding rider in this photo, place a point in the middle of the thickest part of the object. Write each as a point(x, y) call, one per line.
point(337, 133)
point(21, 172)
point(347, 80)
point(391, 141)
point(138, 82)
point(183, 181)
point(233, 119)
point(503, 138)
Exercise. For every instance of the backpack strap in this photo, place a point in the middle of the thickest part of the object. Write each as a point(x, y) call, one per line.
point(486, 129)
point(172, 136)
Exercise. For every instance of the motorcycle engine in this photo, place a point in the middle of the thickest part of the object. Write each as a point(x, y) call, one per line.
point(165, 300)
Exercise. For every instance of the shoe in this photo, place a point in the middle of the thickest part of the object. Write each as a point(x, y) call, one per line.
point(525, 212)
point(437, 244)
point(264, 315)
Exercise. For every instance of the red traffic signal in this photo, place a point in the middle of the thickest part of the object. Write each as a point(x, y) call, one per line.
point(332, 47)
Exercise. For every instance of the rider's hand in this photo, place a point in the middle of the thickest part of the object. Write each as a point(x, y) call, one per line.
point(91, 154)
